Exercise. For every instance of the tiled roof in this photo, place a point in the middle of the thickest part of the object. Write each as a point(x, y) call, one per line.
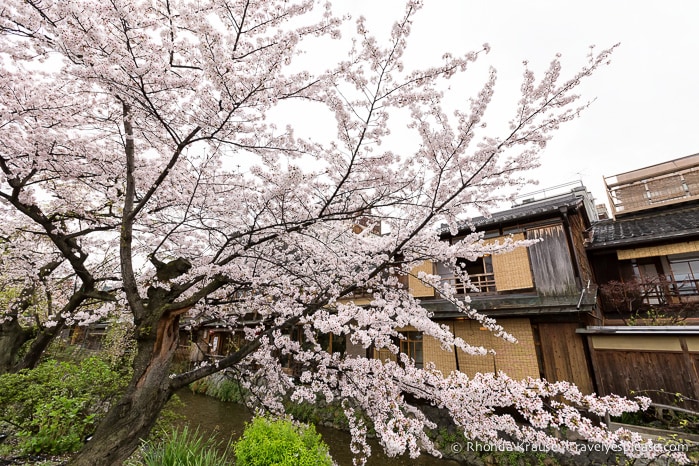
point(647, 226)
point(526, 211)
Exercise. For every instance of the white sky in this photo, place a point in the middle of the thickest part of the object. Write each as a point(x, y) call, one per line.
point(647, 102)
point(646, 108)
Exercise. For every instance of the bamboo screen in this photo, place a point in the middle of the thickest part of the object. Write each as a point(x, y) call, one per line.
point(512, 270)
point(416, 287)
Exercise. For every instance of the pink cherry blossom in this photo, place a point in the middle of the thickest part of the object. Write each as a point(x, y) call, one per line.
point(153, 165)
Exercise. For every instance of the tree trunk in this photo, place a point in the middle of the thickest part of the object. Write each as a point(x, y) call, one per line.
point(12, 337)
point(42, 340)
point(132, 417)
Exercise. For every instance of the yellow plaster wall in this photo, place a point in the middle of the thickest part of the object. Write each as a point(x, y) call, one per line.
point(416, 287)
point(663, 250)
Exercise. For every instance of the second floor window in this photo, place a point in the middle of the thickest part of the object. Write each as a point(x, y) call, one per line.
point(480, 272)
point(685, 273)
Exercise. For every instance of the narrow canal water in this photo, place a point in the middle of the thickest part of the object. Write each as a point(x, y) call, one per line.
point(228, 420)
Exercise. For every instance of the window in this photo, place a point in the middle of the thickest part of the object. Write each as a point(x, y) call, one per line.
point(480, 272)
point(652, 283)
point(685, 273)
point(332, 343)
point(412, 346)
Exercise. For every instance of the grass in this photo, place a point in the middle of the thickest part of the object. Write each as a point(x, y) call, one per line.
point(183, 447)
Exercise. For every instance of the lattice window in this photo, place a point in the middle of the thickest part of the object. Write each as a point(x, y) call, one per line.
point(691, 179)
point(665, 189)
point(631, 197)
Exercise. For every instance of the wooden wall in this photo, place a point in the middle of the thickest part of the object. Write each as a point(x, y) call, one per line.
point(551, 261)
point(563, 355)
point(578, 234)
point(657, 366)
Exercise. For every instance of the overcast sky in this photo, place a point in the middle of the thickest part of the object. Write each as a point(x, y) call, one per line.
point(647, 101)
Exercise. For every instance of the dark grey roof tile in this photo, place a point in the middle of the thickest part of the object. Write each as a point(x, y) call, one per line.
point(525, 211)
point(647, 226)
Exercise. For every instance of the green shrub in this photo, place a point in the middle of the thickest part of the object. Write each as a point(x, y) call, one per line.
point(57, 404)
point(184, 448)
point(200, 386)
point(304, 411)
point(268, 442)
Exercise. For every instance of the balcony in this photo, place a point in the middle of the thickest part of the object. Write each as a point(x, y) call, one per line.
point(662, 184)
point(664, 290)
point(480, 283)
point(523, 302)
point(657, 296)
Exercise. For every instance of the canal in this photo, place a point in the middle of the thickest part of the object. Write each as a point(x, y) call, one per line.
point(228, 420)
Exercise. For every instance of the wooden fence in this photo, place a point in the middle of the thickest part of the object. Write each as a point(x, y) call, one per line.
point(659, 362)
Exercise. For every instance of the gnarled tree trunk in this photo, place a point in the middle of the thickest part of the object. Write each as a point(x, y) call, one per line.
point(12, 337)
point(132, 417)
point(38, 346)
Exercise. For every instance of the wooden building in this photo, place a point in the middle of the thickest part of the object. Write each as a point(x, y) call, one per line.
point(647, 257)
point(660, 362)
point(646, 263)
point(663, 184)
point(541, 294)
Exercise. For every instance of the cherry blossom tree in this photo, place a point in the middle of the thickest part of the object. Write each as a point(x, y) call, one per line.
point(39, 297)
point(23, 303)
point(150, 146)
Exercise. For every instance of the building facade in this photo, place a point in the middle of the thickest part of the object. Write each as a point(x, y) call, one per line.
point(540, 294)
point(646, 262)
point(646, 258)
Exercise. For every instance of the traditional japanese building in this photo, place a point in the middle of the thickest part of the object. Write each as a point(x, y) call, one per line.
point(649, 251)
point(540, 294)
point(646, 263)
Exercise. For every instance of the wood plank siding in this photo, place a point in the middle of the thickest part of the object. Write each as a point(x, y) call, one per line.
point(578, 234)
point(657, 366)
point(551, 261)
point(563, 355)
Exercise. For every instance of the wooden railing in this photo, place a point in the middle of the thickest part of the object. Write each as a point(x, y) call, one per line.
point(483, 283)
point(656, 292)
point(664, 290)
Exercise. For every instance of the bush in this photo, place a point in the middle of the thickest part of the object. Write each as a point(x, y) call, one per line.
point(55, 406)
point(184, 448)
point(267, 442)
